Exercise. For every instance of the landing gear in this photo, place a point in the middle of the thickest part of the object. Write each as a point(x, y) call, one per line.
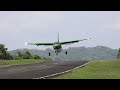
point(49, 53)
point(66, 52)
point(56, 53)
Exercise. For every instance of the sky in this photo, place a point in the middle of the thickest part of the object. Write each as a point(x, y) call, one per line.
point(18, 27)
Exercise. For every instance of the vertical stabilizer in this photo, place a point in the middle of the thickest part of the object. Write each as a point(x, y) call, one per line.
point(58, 37)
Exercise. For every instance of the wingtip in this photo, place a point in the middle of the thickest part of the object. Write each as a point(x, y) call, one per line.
point(89, 38)
point(26, 43)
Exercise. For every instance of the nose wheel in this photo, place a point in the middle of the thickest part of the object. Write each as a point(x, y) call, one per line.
point(66, 52)
point(56, 52)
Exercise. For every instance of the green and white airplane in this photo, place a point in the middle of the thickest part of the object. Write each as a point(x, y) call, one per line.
point(57, 46)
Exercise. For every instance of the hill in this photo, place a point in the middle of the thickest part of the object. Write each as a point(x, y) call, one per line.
point(76, 53)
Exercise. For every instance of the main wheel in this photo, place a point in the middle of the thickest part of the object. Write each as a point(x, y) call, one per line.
point(66, 52)
point(56, 53)
point(49, 53)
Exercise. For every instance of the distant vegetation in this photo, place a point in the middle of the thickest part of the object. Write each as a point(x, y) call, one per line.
point(25, 55)
point(118, 55)
point(5, 55)
point(75, 53)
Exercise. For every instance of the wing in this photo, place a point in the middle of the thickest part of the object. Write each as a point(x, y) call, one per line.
point(39, 43)
point(75, 41)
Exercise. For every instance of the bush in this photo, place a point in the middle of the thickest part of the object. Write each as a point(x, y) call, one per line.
point(36, 57)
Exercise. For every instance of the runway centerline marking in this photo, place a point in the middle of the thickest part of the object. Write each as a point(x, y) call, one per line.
point(55, 63)
point(41, 66)
point(17, 69)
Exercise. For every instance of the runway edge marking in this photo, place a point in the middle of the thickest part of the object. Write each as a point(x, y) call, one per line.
point(61, 72)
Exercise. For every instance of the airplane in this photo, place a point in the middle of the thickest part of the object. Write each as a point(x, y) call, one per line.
point(57, 46)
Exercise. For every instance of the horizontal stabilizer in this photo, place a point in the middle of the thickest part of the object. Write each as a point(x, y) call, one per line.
point(89, 38)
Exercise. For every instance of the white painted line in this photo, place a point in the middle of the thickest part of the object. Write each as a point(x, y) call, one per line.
point(82, 65)
point(16, 69)
point(41, 66)
point(61, 72)
point(62, 62)
point(38, 66)
point(55, 63)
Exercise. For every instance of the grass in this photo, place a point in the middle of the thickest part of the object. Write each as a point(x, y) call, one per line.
point(7, 63)
point(98, 69)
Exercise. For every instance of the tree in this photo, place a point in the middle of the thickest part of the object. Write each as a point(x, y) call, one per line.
point(20, 56)
point(3, 53)
point(36, 57)
point(27, 55)
point(15, 57)
point(118, 55)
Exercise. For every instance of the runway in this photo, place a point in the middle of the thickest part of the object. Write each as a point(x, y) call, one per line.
point(38, 70)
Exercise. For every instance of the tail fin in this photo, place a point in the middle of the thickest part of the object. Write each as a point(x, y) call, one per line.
point(58, 37)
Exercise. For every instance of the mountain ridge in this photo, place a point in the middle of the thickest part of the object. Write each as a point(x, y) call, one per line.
point(75, 53)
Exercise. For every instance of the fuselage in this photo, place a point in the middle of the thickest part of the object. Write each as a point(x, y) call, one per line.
point(57, 47)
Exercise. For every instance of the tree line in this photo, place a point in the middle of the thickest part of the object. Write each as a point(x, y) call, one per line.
point(118, 55)
point(98, 52)
point(25, 55)
point(75, 53)
point(4, 55)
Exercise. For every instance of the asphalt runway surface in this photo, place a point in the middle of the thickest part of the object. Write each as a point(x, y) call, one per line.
point(38, 70)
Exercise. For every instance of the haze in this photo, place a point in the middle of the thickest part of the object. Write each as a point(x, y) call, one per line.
point(18, 27)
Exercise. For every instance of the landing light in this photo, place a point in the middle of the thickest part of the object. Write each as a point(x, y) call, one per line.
point(26, 43)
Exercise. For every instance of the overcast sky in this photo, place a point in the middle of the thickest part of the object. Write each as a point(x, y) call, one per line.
point(17, 27)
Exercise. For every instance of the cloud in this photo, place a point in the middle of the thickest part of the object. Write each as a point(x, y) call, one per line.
point(19, 21)
point(114, 27)
point(19, 26)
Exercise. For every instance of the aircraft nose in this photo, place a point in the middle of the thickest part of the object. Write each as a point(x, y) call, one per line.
point(55, 45)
